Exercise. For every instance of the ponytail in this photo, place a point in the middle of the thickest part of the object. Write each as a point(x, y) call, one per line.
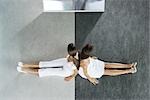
point(72, 53)
point(72, 49)
point(86, 50)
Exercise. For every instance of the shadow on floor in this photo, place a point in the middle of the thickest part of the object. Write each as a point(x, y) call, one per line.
point(85, 22)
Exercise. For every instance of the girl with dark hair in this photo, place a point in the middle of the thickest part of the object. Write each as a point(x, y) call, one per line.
point(52, 68)
point(92, 68)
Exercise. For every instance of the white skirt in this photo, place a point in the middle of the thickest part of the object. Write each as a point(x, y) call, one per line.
point(95, 69)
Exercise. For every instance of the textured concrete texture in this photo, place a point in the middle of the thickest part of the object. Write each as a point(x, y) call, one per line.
point(120, 34)
point(28, 35)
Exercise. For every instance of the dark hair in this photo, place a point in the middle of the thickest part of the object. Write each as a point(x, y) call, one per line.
point(72, 52)
point(86, 50)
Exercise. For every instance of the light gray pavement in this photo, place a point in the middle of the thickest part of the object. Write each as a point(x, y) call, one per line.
point(28, 35)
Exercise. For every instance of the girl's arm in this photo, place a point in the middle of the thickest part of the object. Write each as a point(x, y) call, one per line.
point(67, 56)
point(75, 72)
point(94, 57)
point(92, 80)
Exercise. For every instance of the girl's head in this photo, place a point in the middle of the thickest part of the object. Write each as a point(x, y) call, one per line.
point(72, 50)
point(86, 50)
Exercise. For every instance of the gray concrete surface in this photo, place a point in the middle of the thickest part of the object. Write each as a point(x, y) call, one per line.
point(28, 35)
point(120, 34)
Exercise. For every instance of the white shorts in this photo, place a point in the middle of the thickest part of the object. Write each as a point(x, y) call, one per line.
point(47, 70)
point(53, 72)
point(53, 63)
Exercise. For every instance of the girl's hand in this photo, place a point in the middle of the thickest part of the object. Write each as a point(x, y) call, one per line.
point(94, 57)
point(68, 78)
point(94, 81)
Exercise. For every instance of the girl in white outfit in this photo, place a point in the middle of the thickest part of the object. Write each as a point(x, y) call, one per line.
point(92, 68)
point(63, 67)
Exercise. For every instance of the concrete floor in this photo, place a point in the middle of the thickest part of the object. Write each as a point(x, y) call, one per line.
point(28, 35)
point(120, 34)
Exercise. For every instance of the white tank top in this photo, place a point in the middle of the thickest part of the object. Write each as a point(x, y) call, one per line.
point(95, 69)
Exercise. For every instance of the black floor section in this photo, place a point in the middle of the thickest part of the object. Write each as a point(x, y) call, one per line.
point(120, 34)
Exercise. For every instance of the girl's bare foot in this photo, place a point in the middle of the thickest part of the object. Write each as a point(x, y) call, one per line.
point(20, 64)
point(19, 69)
point(134, 69)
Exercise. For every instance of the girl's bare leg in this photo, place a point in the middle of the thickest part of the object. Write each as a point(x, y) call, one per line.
point(118, 65)
point(21, 64)
point(30, 71)
point(117, 72)
point(30, 66)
